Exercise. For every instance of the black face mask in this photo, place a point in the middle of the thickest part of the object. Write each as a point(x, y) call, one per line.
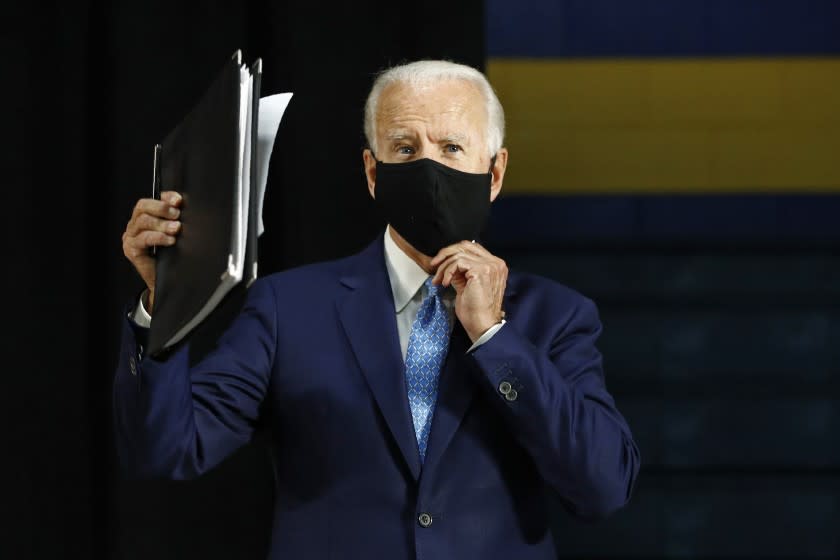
point(432, 205)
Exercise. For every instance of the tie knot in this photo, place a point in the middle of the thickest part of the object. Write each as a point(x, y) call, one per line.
point(431, 289)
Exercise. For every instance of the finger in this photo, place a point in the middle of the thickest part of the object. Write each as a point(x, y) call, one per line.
point(456, 268)
point(464, 248)
point(442, 266)
point(147, 222)
point(475, 248)
point(468, 247)
point(148, 239)
point(444, 254)
point(498, 265)
point(482, 271)
point(174, 198)
point(448, 251)
point(461, 264)
point(441, 270)
point(154, 238)
point(157, 208)
point(464, 272)
point(464, 255)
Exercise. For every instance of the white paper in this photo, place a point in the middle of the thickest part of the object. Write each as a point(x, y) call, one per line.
point(270, 113)
point(239, 227)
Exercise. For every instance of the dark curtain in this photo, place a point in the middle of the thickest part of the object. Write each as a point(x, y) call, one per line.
point(88, 88)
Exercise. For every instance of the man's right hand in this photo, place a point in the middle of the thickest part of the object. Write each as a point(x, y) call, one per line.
point(153, 222)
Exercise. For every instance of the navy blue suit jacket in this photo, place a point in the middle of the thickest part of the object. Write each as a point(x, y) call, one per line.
point(316, 350)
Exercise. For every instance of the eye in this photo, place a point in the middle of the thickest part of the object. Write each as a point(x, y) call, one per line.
point(453, 148)
point(405, 150)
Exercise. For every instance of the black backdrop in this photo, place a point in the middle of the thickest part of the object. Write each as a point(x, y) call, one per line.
point(88, 88)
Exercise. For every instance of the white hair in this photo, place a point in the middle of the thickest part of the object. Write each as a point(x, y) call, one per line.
point(424, 72)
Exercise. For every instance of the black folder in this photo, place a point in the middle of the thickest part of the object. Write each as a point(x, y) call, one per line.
point(210, 158)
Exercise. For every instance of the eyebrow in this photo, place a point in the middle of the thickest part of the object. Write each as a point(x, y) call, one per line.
point(400, 135)
point(458, 137)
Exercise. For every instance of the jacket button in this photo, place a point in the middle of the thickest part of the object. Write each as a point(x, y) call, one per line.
point(132, 365)
point(511, 395)
point(425, 520)
point(505, 388)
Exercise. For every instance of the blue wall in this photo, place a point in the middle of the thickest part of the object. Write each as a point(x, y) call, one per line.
point(721, 311)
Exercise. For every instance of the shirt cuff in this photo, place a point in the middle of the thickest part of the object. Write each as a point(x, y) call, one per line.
point(140, 316)
point(488, 334)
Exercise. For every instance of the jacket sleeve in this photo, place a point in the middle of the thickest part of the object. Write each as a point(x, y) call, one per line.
point(557, 406)
point(172, 421)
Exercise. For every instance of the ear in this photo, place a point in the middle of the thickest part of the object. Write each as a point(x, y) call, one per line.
point(498, 171)
point(370, 170)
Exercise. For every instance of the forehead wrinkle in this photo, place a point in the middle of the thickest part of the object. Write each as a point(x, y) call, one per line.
point(410, 106)
point(404, 113)
point(437, 127)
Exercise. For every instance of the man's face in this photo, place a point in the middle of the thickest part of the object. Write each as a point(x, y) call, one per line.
point(444, 121)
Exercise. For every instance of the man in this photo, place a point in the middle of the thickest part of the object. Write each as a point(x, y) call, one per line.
point(421, 401)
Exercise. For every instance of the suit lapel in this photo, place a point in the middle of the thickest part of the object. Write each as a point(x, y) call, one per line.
point(455, 391)
point(367, 314)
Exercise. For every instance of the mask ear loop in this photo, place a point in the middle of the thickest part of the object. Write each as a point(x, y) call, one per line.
point(502, 314)
point(492, 165)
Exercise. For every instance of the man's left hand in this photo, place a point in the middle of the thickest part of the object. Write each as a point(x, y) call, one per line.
point(479, 279)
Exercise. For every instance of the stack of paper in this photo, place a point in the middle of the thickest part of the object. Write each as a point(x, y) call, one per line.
point(217, 159)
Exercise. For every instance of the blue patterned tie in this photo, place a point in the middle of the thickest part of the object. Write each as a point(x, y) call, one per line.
point(427, 345)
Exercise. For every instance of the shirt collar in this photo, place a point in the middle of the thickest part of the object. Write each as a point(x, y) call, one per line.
point(406, 275)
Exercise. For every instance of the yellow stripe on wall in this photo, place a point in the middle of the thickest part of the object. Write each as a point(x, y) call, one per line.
point(670, 125)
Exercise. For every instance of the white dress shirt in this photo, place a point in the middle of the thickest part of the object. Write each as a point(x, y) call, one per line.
point(407, 279)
